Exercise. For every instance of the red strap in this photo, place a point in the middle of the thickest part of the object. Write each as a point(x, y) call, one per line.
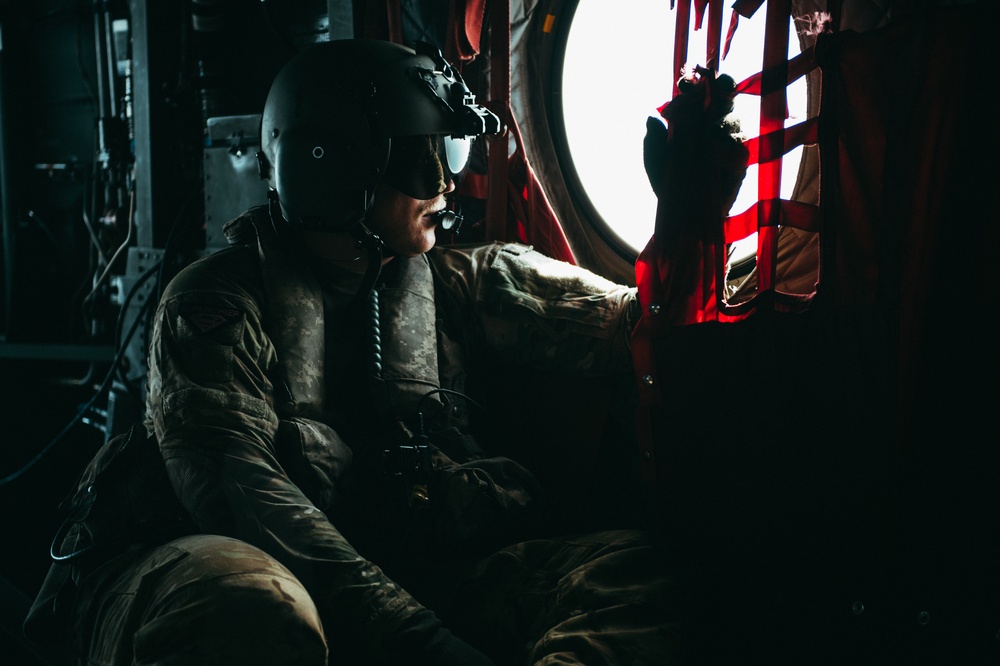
point(776, 144)
point(788, 213)
point(395, 19)
point(714, 36)
point(798, 66)
point(530, 218)
point(496, 206)
point(453, 34)
point(680, 41)
point(734, 21)
point(465, 30)
point(679, 288)
point(475, 185)
point(699, 13)
point(772, 120)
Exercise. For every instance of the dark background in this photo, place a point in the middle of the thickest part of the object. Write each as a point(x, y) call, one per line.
point(97, 125)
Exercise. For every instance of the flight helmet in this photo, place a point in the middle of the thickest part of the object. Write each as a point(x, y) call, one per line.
point(344, 115)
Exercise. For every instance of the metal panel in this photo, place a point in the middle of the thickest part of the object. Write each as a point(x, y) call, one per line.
point(164, 126)
point(232, 180)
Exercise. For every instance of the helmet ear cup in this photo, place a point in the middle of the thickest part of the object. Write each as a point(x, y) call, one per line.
point(325, 171)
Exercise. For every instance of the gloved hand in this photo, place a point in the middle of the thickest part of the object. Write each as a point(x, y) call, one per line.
point(695, 167)
point(486, 499)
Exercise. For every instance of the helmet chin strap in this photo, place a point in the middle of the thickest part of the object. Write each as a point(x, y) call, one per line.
point(367, 240)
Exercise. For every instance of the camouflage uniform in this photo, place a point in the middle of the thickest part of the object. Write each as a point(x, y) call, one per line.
point(277, 405)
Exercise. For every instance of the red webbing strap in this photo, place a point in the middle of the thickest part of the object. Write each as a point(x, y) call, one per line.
point(714, 41)
point(699, 13)
point(777, 144)
point(744, 8)
point(452, 34)
point(530, 218)
point(789, 213)
point(496, 205)
point(650, 288)
point(797, 67)
point(713, 275)
point(682, 21)
point(734, 21)
point(395, 21)
point(464, 31)
point(773, 103)
point(651, 325)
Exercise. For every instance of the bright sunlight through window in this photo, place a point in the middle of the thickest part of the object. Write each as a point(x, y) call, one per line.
point(617, 72)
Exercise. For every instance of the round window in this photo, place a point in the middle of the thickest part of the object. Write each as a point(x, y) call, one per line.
point(616, 72)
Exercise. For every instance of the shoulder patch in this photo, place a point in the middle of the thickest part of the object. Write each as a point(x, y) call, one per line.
point(207, 318)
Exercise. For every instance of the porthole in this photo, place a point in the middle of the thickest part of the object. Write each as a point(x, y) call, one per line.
point(615, 71)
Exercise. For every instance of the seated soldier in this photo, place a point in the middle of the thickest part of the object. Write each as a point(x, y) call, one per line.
point(309, 487)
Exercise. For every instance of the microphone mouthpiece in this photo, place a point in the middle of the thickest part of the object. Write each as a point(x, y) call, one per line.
point(448, 219)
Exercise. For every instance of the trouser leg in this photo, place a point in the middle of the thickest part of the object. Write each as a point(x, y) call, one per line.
point(599, 598)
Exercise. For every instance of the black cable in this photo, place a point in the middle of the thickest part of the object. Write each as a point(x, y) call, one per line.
point(420, 413)
point(371, 242)
point(102, 389)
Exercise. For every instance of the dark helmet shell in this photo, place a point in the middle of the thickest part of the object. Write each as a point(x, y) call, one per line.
point(331, 115)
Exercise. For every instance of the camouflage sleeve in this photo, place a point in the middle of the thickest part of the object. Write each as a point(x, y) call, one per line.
point(209, 361)
point(211, 405)
point(534, 311)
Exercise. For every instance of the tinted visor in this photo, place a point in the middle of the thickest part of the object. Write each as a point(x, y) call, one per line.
point(421, 166)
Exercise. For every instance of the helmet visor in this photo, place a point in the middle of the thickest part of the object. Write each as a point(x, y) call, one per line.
point(421, 166)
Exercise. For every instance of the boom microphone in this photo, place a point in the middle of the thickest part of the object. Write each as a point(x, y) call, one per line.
point(448, 219)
